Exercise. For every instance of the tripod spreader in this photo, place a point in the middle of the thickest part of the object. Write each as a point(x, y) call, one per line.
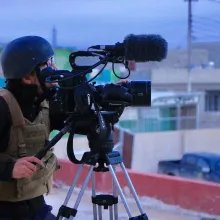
point(105, 200)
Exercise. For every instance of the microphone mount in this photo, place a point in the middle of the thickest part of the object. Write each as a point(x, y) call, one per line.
point(117, 48)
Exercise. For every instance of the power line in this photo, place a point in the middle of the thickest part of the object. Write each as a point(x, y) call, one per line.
point(215, 1)
point(205, 30)
point(206, 27)
point(206, 19)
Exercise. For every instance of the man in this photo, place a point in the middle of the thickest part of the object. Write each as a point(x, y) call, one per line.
point(25, 124)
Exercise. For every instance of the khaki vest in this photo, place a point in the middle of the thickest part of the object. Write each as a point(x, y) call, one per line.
point(26, 139)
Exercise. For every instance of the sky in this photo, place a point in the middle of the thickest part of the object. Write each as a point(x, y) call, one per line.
point(83, 23)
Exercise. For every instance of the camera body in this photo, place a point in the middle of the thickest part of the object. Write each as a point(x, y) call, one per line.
point(75, 95)
point(90, 105)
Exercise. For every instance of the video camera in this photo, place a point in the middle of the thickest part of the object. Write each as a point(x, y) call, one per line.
point(94, 109)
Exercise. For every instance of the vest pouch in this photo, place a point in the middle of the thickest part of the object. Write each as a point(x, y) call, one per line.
point(8, 191)
point(38, 184)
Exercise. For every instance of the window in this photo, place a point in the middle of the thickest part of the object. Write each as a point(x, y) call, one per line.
point(212, 101)
point(217, 166)
point(202, 164)
point(188, 110)
point(190, 160)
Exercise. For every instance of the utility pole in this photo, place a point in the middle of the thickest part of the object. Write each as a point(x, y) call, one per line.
point(189, 46)
point(54, 37)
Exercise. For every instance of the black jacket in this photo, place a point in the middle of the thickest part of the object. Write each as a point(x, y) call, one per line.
point(30, 111)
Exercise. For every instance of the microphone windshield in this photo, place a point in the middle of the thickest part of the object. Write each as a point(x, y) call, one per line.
point(145, 48)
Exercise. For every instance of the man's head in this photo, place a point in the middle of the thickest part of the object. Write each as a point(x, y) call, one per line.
point(24, 57)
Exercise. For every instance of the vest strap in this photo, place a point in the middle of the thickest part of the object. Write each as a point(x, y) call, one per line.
point(14, 108)
point(22, 151)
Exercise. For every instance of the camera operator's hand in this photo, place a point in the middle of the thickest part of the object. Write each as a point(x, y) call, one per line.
point(24, 168)
point(54, 66)
point(123, 81)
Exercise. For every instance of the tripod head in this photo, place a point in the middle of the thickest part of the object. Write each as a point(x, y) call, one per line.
point(100, 139)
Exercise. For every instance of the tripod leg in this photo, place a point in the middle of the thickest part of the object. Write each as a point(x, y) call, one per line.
point(120, 190)
point(115, 194)
point(72, 188)
point(100, 212)
point(111, 213)
point(131, 187)
point(93, 195)
point(82, 190)
point(73, 185)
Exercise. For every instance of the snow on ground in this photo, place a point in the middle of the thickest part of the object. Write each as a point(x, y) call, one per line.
point(155, 210)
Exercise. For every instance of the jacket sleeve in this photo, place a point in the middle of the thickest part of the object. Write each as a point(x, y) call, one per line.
point(6, 167)
point(5, 125)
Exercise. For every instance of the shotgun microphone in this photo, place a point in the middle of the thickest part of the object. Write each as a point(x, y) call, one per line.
point(140, 48)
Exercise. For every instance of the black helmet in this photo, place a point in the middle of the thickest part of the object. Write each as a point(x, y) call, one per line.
point(21, 56)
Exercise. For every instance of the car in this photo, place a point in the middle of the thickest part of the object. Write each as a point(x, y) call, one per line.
point(202, 166)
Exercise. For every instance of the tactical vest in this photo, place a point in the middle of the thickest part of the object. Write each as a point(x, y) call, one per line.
point(26, 139)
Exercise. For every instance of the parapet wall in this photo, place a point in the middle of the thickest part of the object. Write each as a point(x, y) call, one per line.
point(143, 151)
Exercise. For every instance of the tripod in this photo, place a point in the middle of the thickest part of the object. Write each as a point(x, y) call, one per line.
point(107, 201)
point(102, 154)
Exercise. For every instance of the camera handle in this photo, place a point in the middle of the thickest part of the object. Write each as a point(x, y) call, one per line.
point(102, 125)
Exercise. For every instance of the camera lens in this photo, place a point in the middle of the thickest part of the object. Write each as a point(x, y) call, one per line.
point(140, 91)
